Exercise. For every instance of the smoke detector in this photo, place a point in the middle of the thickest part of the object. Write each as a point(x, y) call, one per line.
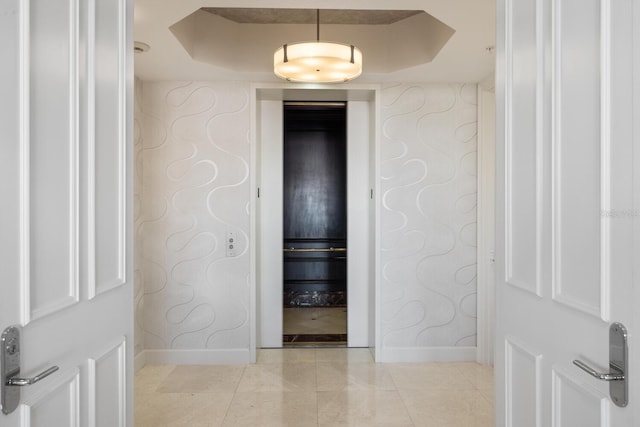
point(139, 47)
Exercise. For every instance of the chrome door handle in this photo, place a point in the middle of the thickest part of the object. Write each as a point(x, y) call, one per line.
point(618, 365)
point(601, 376)
point(21, 382)
point(10, 382)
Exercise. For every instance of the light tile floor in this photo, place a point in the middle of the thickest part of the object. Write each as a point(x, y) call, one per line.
point(316, 387)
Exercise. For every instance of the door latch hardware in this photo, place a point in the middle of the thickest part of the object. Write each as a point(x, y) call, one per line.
point(21, 382)
point(10, 383)
point(618, 365)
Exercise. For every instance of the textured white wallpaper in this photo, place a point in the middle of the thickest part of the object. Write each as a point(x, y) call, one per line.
point(195, 188)
point(428, 215)
point(192, 186)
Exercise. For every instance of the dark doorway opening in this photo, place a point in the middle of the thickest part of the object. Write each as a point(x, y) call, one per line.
point(315, 224)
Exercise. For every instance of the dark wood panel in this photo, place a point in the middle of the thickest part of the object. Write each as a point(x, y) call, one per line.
point(314, 174)
point(315, 206)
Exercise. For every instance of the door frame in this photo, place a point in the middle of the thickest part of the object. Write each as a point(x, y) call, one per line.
point(371, 93)
point(486, 221)
point(281, 92)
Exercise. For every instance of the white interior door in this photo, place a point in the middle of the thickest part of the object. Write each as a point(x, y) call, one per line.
point(565, 209)
point(65, 241)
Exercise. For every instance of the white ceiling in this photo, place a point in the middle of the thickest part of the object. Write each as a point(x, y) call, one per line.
point(464, 58)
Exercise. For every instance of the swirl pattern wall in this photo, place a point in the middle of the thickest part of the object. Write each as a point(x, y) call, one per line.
point(428, 215)
point(192, 169)
point(193, 166)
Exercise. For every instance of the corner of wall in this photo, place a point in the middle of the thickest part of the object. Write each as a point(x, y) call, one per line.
point(138, 137)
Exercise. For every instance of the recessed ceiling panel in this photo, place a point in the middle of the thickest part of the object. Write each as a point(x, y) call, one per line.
point(308, 16)
point(244, 39)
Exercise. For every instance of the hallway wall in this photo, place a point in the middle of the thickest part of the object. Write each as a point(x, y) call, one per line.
point(428, 222)
point(193, 160)
point(195, 188)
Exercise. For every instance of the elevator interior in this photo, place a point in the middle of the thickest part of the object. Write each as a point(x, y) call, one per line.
point(314, 224)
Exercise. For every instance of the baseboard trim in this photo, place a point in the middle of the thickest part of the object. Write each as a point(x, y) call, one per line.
point(425, 354)
point(139, 361)
point(242, 356)
point(192, 357)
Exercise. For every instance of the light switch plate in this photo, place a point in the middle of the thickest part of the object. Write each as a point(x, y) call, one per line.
point(231, 243)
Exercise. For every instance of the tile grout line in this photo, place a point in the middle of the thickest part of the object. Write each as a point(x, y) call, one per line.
point(397, 390)
point(234, 395)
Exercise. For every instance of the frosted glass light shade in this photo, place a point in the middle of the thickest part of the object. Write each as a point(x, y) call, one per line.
point(317, 62)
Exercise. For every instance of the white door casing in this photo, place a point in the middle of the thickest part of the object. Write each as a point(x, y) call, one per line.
point(268, 215)
point(65, 244)
point(486, 221)
point(565, 212)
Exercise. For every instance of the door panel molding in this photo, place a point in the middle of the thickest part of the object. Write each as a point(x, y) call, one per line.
point(106, 174)
point(51, 224)
point(524, 141)
point(606, 174)
point(576, 404)
point(60, 402)
point(590, 136)
point(523, 385)
point(107, 387)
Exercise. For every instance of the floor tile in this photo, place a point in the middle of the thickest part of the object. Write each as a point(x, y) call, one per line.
point(149, 378)
point(289, 355)
point(481, 376)
point(429, 376)
point(316, 387)
point(202, 379)
point(279, 377)
point(181, 409)
point(448, 408)
point(337, 376)
point(267, 409)
point(351, 355)
point(362, 408)
point(489, 394)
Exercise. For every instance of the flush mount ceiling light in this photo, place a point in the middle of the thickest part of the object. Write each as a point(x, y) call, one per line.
point(317, 62)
